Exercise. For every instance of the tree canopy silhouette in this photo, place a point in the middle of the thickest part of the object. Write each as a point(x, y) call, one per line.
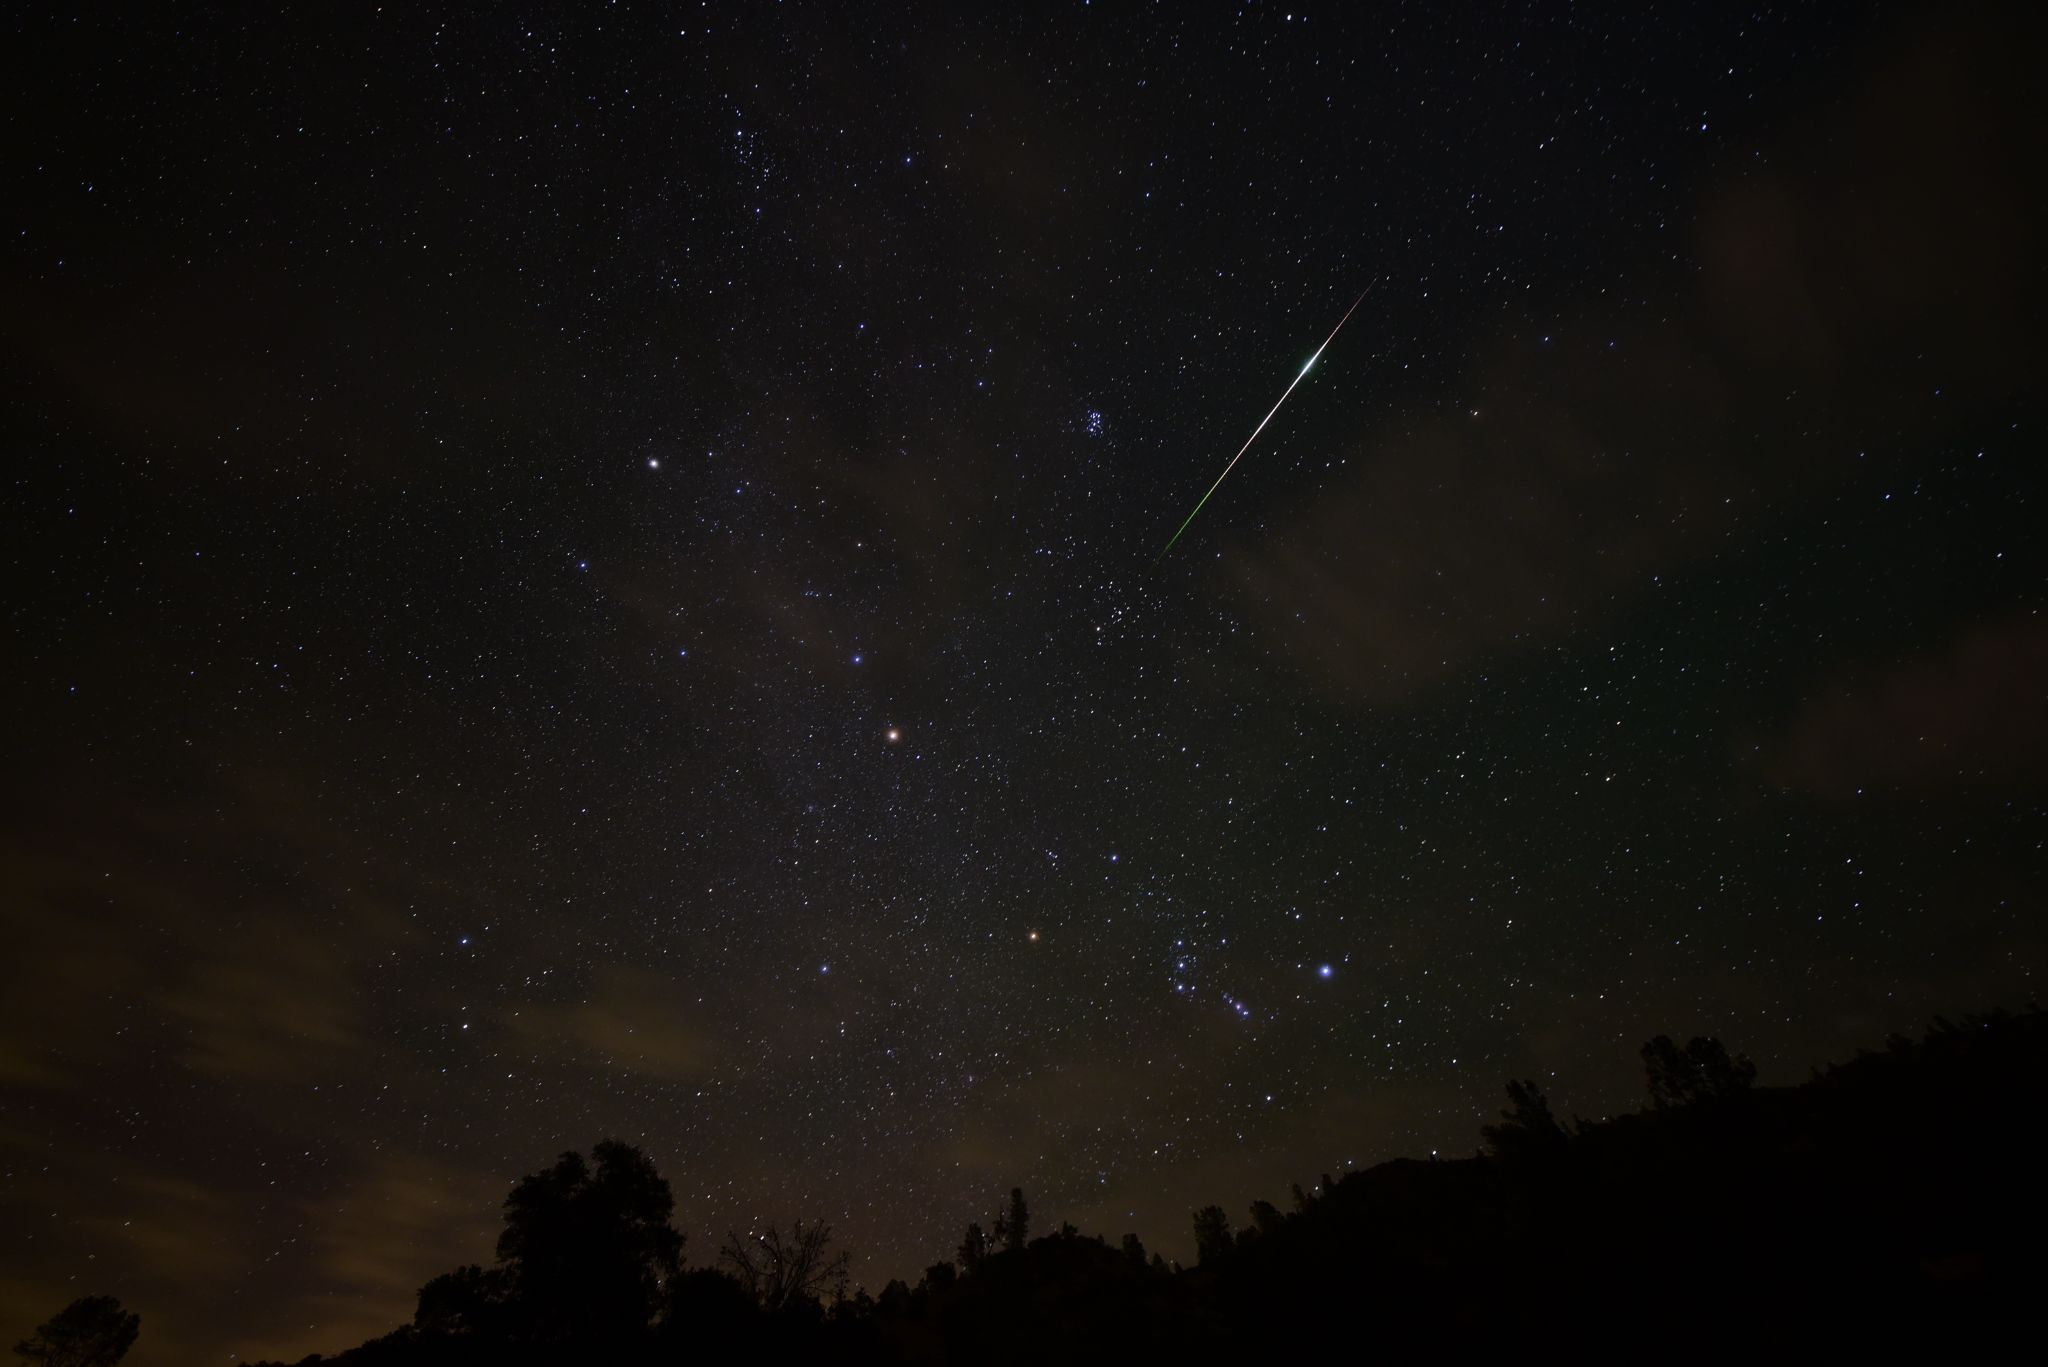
point(92, 1331)
point(587, 1252)
point(1700, 1072)
point(1212, 1233)
point(1013, 1226)
point(974, 1247)
point(1527, 1130)
point(585, 1256)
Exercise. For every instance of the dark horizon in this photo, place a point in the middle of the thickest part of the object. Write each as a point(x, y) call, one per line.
point(592, 574)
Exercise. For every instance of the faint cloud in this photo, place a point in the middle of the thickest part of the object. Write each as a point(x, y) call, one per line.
point(630, 1021)
point(272, 1007)
point(1972, 713)
point(1865, 278)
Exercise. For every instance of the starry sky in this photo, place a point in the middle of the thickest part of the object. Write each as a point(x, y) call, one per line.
point(584, 571)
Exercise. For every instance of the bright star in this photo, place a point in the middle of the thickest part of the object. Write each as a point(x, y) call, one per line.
point(1324, 971)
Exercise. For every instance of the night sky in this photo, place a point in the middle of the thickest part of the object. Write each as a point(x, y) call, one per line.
point(588, 571)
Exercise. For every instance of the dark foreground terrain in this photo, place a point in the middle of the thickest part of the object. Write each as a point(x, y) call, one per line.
point(1894, 1202)
point(1901, 1192)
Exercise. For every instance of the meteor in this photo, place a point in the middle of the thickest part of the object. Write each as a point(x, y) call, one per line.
point(1306, 367)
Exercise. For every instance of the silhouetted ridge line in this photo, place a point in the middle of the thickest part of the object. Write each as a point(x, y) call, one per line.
point(1899, 1191)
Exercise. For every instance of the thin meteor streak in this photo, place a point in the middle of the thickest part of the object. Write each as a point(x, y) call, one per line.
point(1269, 416)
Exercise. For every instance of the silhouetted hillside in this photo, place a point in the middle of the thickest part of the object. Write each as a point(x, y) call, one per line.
point(1901, 1192)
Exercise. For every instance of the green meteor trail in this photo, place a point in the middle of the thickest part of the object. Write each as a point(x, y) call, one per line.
point(1268, 418)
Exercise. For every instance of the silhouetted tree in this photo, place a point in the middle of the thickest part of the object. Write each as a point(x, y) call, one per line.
point(1527, 1129)
point(585, 1253)
point(784, 1271)
point(939, 1276)
point(706, 1315)
point(1212, 1233)
point(973, 1248)
point(92, 1331)
point(1013, 1226)
point(854, 1309)
point(1299, 1196)
point(1702, 1071)
point(1134, 1250)
point(1266, 1217)
point(468, 1300)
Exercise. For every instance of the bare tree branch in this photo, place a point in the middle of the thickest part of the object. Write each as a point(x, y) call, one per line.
point(782, 1270)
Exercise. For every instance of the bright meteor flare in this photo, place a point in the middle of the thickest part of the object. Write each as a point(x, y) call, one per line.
point(1269, 416)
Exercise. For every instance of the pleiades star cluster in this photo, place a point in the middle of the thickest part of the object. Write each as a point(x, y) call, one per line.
point(596, 570)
